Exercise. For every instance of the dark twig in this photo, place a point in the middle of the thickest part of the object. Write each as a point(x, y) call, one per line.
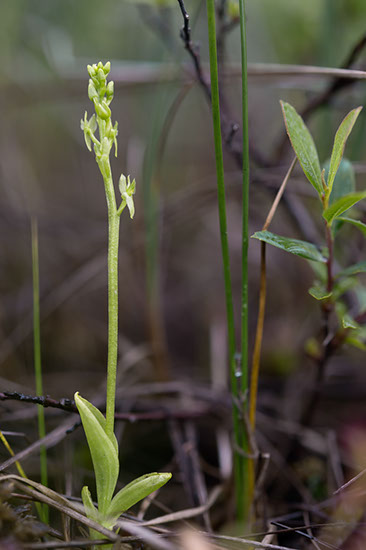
point(68, 405)
point(324, 98)
point(193, 50)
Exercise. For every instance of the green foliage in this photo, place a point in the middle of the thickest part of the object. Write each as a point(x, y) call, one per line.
point(344, 181)
point(360, 225)
point(303, 145)
point(294, 246)
point(340, 139)
point(335, 187)
point(342, 205)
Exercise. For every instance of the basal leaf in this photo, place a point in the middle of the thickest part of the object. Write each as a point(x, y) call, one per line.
point(340, 139)
point(90, 511)
point(135, 491)
point(353, 270)
point(341, 205)
point(303, 145)
point(294, 246)
point(361, 226)
point(102, 450)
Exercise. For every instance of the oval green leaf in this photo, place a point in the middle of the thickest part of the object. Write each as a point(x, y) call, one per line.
point(294, 246)
point(341, 205)
point(103, 452)
point(135, 491)
point(303, 145)
point(340, 140)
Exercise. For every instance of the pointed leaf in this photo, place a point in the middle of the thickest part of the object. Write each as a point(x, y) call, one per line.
point(319, 292)
point(340, 139)
point(356, 342)
point(103, 452)
point(135, 491)
point(348, 322)
point(352, 270)
point(303, 145)
point(90, 510)
point(341, 205)
point(360, 225)
point(294, 246)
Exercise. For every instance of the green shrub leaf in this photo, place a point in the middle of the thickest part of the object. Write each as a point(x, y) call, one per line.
point(319, 292)
point(360, 225)
point(294, 246)
point(341, 205)
point(344, 182)
point(340, 139)
point(103, 451)
point(135, 491)
point(303, 145)
point(352, 270)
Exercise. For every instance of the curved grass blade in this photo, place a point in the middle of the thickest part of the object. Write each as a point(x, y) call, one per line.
point(340, 140)
point(341, 205)
point(294, 246)
point(303, 145)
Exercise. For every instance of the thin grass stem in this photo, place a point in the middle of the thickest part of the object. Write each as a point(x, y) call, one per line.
point(244, 502)
point(237, 412)
point(38, 361)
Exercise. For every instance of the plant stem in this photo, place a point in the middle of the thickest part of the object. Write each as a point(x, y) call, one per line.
point(113, 243)
point(37, 360)
point(244, 501)
point(329, 238)
point(237, 418)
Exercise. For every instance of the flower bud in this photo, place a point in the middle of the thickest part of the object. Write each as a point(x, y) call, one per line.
point(110, 91)
point(102, 109)
point(92, 92)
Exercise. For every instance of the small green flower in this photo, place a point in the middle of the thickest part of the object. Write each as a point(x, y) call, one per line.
point(127, 190)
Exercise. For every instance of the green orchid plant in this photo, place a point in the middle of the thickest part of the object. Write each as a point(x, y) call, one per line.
point(335, 188)
point(99, 430)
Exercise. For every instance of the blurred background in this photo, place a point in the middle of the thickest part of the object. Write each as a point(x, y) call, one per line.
point(172, 310)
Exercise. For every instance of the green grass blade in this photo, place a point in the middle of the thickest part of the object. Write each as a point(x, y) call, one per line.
point(224, 240)
point(340, 140)
point(303, 145)
point(38, 361)
point(245, 470)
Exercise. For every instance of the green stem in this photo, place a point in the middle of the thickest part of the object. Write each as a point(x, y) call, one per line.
point(237, 420)
point(37, 360)
point(244, 498)
point(113, 243)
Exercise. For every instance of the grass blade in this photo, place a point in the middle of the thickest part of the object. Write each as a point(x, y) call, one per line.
point(37, 360)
